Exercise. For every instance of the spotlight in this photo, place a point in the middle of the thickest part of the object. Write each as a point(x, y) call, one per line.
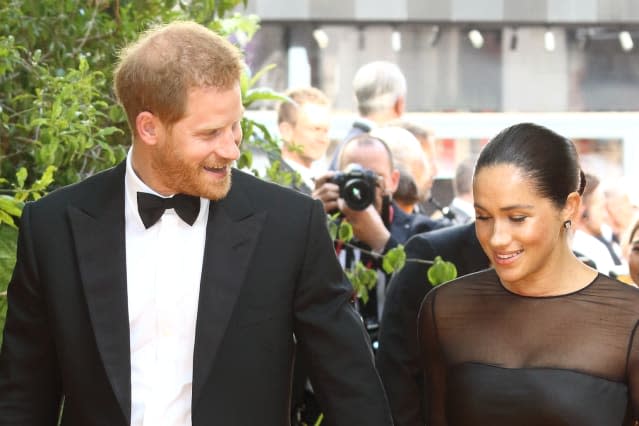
point(321, 37)
point(549, 41)
point(476, 39)
point(625, 39)
point(396, 40)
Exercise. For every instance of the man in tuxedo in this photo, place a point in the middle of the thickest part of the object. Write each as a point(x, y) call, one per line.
point(158, 293)
point(398, 354)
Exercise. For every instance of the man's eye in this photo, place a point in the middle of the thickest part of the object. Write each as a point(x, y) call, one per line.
point(482, 218)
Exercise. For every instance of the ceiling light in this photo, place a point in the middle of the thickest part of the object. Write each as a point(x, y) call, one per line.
point(476, 39)
point(321, 37)
point(396, 40)
point(625, 39)
point(549, 41)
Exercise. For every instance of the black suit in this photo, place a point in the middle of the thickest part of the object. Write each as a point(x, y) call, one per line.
point(398, 354)
point(269, 271)
point(404, 225)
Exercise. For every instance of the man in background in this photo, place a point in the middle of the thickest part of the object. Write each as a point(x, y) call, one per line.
point(461, 209)
point(303, 123)
point(409, 157)
point(377, 228)
point(380, 93)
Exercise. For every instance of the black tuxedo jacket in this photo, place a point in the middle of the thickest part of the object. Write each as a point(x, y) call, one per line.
point(269, 272)
point(397, 358)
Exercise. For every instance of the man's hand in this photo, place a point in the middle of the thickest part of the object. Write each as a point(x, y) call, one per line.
point(368, 226)
point(327, 192)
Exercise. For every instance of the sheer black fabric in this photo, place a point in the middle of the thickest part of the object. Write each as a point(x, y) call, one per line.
point(492, 357)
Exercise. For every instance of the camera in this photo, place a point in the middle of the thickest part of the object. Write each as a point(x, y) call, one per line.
point(356, 186)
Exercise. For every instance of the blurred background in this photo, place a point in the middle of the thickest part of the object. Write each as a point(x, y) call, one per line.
point(472, 67)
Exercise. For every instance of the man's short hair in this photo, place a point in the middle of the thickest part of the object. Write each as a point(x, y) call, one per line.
point(402, 143)
point(377, 86)
point(287, 110)
point(156, 72)
point(420, 132)
point(363, 140)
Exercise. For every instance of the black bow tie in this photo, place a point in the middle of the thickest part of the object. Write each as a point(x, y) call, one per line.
point(151, 207)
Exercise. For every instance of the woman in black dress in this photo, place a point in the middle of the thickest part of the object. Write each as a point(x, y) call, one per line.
point(541, 338)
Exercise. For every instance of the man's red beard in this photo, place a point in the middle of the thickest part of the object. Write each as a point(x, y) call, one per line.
point(189, 179)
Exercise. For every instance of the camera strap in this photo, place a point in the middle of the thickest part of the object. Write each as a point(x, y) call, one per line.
point(387, 212)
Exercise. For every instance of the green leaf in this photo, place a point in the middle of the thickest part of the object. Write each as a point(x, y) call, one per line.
point(5, 218)
point(259, 74)
point(345, 232)
point(246, 160)
point(332, 229)
point(10, 205)
point(244, 81)
point(363, 280)
point(262, 94)
point(394, 259)
point(21, 176)
point(441, 271)
point(108, 131)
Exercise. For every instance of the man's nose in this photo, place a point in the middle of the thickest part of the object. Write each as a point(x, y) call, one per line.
point(229, 147)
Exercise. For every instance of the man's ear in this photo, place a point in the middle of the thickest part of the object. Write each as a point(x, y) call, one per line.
point(286, 131)
point(148, 127)
point(572, 209)
point(394, 181)
point(400, 106)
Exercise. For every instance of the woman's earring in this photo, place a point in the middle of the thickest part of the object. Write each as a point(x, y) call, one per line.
point(567, 225)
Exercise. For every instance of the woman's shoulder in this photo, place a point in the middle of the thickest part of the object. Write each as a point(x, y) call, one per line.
point(467, 285)
point(605, 283)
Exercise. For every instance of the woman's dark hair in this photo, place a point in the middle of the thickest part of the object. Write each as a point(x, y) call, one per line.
point(547, 158)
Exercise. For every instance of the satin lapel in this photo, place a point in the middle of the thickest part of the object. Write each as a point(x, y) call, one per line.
point(99, 235)
point(232, 232)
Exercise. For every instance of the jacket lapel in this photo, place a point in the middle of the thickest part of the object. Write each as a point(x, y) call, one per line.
point(99, 235)
point(233, 230)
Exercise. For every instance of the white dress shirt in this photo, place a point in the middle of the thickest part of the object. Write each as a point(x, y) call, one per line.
point(307, 174)
point(164, 266)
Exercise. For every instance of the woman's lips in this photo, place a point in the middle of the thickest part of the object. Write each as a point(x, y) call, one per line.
point(507, 258)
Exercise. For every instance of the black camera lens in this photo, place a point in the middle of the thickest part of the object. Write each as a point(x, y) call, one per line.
point(356, 186)
point(358, 193)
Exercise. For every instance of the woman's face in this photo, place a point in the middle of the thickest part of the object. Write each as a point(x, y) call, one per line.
point(520, 231)
point(633, 257)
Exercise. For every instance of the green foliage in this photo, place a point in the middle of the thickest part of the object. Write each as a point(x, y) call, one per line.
point(441, 271)
point(364, 279)
point(8, 239)
point(394, 259)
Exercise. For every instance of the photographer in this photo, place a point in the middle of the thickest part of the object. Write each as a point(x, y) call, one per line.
point(379, 226)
